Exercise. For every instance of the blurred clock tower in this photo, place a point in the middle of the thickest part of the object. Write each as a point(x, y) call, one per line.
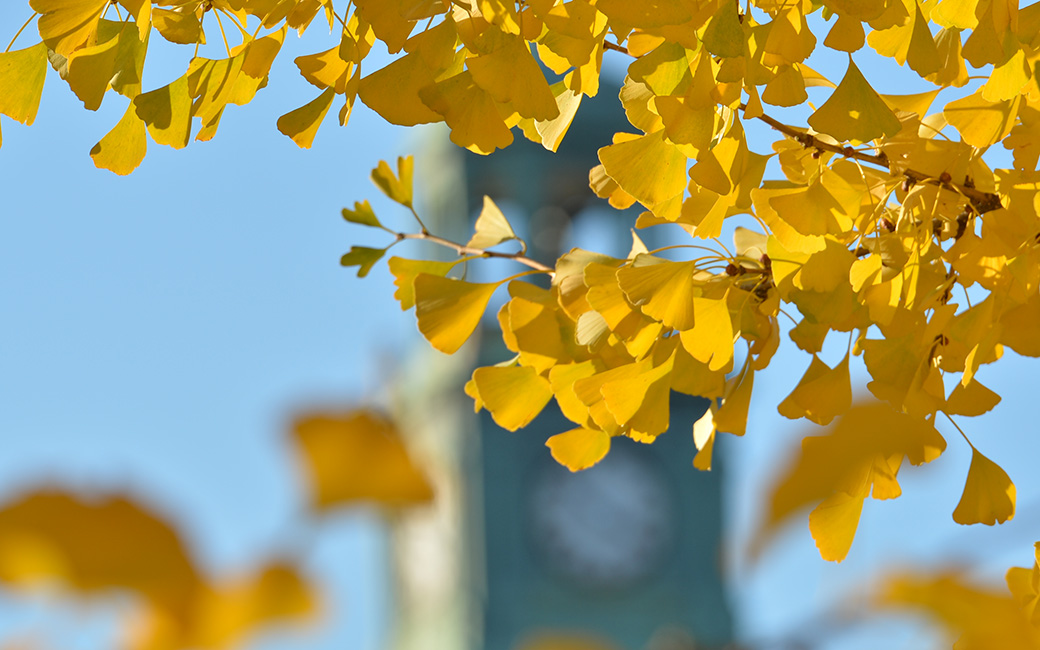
point(518, 548)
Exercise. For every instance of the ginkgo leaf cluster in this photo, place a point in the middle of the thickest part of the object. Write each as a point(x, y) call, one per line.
point(93, 546)
point(880, 222)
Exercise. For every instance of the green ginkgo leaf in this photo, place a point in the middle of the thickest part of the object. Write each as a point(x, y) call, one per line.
point(362, 257)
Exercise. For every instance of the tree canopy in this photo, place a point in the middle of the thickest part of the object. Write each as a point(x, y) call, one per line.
point(882, 220)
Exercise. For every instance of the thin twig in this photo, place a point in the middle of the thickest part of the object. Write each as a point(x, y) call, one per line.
point(480, 252)
point(982, 202)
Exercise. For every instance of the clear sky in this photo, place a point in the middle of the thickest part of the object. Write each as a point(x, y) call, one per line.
point(160, 330)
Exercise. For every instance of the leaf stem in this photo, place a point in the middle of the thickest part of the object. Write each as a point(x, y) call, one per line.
point(234, 20)
point(19, 32)
point(222, 34)
point(959, 430)
point(421, 224)
point(476, 252)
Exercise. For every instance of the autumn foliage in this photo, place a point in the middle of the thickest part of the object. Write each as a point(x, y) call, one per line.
point(880, 221)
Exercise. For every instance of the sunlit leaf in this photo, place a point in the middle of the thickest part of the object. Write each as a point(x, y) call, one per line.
point(449, 310)
point(398, 187)
point(862, 452)
point(277, 593)
point(405, 271)
point(301, 125)
point(732, 416)
point(362, 214)
point(91, 545)
point(492, 228)
point(704, 440)
point(580, 448)
point(989, 494)
point(358, 457)
point(470, 111)
point(182, 27)
point(22, 73)
point(821, 395)
point(67, 25)
point(973, 399)
point(167, 112)
point(123, 148)
point(663, 290)
point(854, 111)
point(514, 395)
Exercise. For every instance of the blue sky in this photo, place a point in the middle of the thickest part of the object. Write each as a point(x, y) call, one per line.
point(160, 330)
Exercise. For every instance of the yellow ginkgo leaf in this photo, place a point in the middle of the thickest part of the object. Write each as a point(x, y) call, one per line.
point(640, 399)
point(648, 167)
point(358, 457)
point(141, 10)
point(562, 379)
point(470, 112)
point(123, 148)
point(1024, 585)
point(973, 399)
point(579, 448)
point(182, 27)
point(393, 91)
point(833, 524)
point(396, 186)
point(326, 69)
point(167, 112)
point(821, 395)
point(918, 103)
point(710, 340)
point(492, 228)
point(22, 73)
point(92, 70)
point(511, 76)
point(301, 125)
point(277, 593)
point(97, 544)
point(704, 440)
point(979, 618)
point(724, 35)
point(981, 122)
point(654, 13)
point(67, 25)
point(732, 416)
point(989, 494)
point(854, 111)
point(532, 322)
point(405, 272)
point(861, 452)
point(663, 290)
point(449, 310)
point(211, 83)
point(514, 395)
point(553, 130)
point(1008, 79)
point(846, 35)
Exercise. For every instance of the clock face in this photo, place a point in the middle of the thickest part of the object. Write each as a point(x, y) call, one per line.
point(606, 527)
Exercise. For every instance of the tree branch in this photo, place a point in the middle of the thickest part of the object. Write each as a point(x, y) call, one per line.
point(981, 201)
point(480, 252)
